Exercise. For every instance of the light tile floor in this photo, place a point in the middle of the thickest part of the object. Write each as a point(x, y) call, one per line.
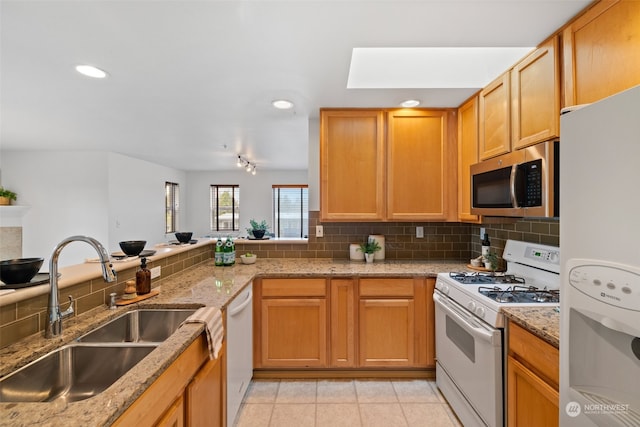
point(349, 403)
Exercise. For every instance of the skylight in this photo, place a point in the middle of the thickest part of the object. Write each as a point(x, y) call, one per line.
point(430, 67)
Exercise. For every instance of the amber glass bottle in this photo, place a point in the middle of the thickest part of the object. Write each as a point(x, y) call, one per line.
point(143, 279)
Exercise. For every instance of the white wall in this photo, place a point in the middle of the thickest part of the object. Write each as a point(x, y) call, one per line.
point(67, 194)
point(107, 196)
point(255, 195)
point(136, 200)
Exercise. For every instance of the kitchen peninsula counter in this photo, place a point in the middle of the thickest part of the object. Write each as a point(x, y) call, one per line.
point(201, 285)
point(543, 322)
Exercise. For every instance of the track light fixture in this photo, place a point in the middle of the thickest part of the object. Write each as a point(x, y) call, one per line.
point(246, 164)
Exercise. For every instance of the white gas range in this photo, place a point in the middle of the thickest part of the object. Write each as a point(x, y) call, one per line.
point(469, 326)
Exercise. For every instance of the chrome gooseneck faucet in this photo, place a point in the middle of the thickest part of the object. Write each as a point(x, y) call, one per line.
point(54, 315)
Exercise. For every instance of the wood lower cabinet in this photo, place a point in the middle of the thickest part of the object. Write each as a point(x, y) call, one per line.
point(344, 323)
point(532, 380)
point(293, 323)
point(189, 391)
point(343, 326)
point(601, 52)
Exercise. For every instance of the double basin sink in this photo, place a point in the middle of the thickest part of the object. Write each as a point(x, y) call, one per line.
point(94, 361)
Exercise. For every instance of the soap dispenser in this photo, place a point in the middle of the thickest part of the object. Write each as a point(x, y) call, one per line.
point(143, 278)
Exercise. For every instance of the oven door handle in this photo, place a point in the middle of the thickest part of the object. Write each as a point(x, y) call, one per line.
point(475, 328)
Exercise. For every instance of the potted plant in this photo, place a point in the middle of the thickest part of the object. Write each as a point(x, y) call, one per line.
point(491, 260)
point(6, 196)
point(369, 248)
point(257, 230)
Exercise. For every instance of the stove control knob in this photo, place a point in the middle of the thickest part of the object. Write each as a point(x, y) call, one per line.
point(445, 289)
point(471, 306)
point(480, 312)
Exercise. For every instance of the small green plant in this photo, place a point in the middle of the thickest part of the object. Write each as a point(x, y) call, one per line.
point(258, 225)
point(7, 193)
point(248, 254)
point(493, 259)
point(369, 247)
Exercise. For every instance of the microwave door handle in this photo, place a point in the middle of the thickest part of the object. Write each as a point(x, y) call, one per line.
point(512, 186)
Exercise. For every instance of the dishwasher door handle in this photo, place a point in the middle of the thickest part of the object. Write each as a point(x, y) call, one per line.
point(246, 302)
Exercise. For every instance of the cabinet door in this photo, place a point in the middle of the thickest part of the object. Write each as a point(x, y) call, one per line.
point(531, 402)
point(495, 136)
point(342, 348)
point(467, 155)
point(294, 332)
point(601, 52)
point(416, 165)
point(204, 395)
point(351, 165)
point(387, 331)
point(174, 416)
point(535, 92)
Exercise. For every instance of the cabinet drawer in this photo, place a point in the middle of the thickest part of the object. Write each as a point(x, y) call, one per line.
point(294, 288)
point(386, 287)
point(534, 352)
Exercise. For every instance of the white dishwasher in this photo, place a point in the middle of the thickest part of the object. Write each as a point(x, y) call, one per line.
point(239, 350)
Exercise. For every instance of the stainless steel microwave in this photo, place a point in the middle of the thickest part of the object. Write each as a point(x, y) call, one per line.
point(524, 183)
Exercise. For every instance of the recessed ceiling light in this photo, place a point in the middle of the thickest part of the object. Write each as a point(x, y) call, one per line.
point(91, 71)
point(282, 104)
point(409, 103)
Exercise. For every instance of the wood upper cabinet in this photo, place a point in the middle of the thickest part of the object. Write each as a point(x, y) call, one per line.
point(293, 323)
point(378, 165)
point(419, 165)
point(532, 380)
point(352, 165)
point(467, 155)
point(494, 116)
point(535, 93)
point(601, 52)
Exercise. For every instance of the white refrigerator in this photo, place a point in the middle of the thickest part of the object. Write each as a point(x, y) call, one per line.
point(600, 241)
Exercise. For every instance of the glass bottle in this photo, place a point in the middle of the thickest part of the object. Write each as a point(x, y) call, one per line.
point(143, 278)
point(486, 245)
point(219, 255)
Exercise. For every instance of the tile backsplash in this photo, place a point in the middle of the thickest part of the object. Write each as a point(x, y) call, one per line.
point(442, 240)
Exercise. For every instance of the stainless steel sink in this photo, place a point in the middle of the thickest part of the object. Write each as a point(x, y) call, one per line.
point(145, 325)
point(73, 372)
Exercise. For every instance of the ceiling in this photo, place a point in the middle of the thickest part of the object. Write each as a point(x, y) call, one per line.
point(191, 82)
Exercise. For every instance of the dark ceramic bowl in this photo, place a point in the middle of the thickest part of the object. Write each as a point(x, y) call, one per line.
point(132, 247)
point(184, 237)
point(20, 270)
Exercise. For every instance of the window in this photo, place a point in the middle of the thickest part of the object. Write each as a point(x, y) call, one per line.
point(172, 206)
point(290, 210)
point(225, 207)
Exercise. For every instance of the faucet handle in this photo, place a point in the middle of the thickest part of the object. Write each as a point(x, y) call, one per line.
point(69, 311)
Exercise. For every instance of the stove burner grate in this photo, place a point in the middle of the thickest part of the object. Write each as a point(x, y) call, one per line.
point(520, 294)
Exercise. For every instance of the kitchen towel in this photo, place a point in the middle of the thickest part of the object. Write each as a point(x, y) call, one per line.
point(212, 319)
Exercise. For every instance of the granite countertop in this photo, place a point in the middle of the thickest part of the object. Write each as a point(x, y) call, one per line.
point(543, 322)
point(202, 285)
